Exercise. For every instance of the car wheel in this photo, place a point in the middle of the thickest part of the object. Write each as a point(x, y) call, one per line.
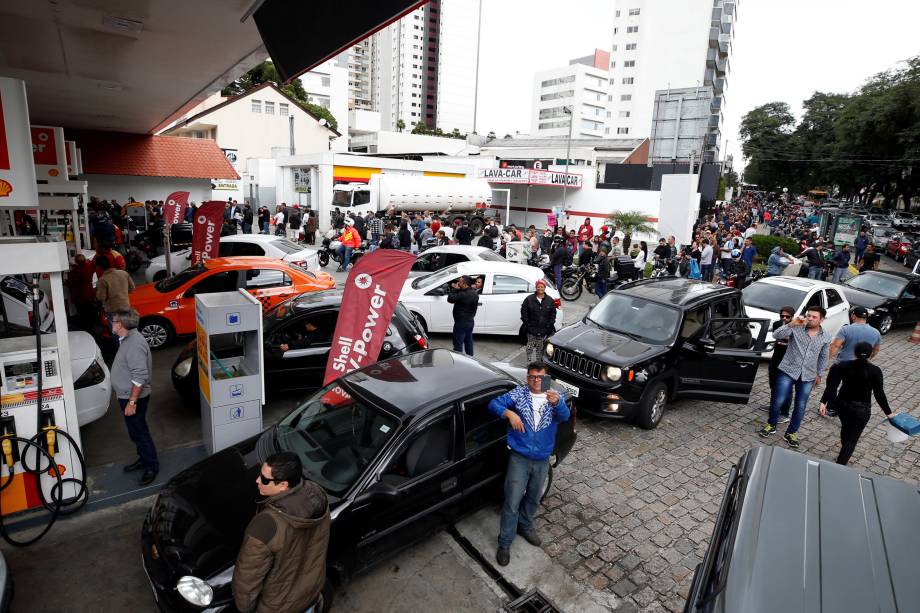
point(654, 402)
point(159, 276)
point(571, 289)
point(157, 332)
point(884, 325)
point(547, 483)
point(323, 258)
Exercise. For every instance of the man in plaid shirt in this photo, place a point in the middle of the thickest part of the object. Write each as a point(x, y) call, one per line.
point(375, 224)
point(801, 368)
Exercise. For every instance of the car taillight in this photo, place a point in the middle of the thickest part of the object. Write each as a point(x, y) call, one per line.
point(421, 341)
point(558, 303)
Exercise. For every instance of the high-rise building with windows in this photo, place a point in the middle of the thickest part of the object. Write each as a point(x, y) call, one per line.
point(668, 44)
point(577, 92)
point(421, 68)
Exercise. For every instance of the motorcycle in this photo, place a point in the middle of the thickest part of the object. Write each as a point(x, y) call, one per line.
point(330, 250)
point(143, 247)
point(660, 268)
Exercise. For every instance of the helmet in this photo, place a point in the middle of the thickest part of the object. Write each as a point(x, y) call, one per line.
point(349, 221)
point(558, 239)
point(736, 253)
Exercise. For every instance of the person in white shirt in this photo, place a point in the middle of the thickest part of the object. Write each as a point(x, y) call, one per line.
point(706, 261)
point(641, 258)
point(751, 231)
point(279, 222)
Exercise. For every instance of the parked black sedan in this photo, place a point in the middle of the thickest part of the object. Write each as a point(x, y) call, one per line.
point(304, 326)
point(401, 447)
point(892, 298)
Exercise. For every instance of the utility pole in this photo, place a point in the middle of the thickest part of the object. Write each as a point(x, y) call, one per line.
point(476, 83)
point(570, 110)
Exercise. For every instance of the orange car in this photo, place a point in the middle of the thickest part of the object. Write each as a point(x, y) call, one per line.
point(167, 307)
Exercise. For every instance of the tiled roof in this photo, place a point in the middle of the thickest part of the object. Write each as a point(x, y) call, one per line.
point(119, 153)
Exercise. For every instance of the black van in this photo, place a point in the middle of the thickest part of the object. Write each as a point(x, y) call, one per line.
point(799, 535)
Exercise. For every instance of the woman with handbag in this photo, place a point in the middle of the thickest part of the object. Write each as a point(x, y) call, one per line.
point(857, 380)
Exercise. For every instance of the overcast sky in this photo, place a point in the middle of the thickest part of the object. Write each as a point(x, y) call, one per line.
point(783, 50)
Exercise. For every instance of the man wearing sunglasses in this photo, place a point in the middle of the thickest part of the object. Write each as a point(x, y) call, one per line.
point(779, 352)
point(282, 561)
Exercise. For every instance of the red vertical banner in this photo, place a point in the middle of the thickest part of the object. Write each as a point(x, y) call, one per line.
point(174, 209)
point(370, 297)
point(206, 230)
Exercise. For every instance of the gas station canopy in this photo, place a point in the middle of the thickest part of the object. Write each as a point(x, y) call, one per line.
point(136, 65)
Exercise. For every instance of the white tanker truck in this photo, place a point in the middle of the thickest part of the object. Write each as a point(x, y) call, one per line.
point(452, 198)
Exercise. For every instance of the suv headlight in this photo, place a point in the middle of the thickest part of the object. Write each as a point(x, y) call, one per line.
point(195, 590)
point(613, 373)
point(550, 349)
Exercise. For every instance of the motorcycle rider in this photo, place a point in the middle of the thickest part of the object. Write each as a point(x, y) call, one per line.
point(739, 268)
point(558, 258)
point(603, 271)
point(350, 240)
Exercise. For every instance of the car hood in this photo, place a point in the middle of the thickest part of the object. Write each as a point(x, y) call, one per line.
point(146, 293)
point(605, 346)
point(858, 297)
point(82, 347)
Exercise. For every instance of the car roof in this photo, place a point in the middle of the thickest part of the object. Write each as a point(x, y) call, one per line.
point(797, 282)
point(456, 249)
point(250, 238)
point(676, 291)
point(838, 539)
point(246, 261)
point(481, 267)
point(416, 383)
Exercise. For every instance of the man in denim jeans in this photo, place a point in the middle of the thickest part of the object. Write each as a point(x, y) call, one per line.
point(532, 416)
point(801, 368)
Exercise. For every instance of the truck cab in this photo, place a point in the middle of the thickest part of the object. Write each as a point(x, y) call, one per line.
point(652, 341)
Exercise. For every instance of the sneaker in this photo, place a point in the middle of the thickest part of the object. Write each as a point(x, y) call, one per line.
point(793, 439)
point(531, 537)
point(783, 419)
point(767, 430)
point(135, 465)
point(503, 556)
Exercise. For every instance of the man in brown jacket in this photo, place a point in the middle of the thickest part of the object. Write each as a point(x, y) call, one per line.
point(112, 290)
point(281, 567)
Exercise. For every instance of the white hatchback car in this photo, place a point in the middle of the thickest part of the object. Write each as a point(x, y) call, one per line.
point(764, 298)
point(238, 245)
point(505, 286)
point(436, 258)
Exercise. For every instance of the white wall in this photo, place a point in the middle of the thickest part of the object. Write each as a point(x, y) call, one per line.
point(680, 206)
point(405, 142)
point(671, 49)
point(457, 48)
point(106, 187)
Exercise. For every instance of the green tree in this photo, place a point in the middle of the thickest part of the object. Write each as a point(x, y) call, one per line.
point(769, 142)
point(400, 125)
point(490, 135)
point(267, 73)
point(420, 127)
point(818, 143)
point(455, 133)
point(631, 222)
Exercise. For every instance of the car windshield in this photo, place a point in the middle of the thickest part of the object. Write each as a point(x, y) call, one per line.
point(770, 297)
point(287, 246)
point(336, 436)
point(436, 278)
point(175, 282)
point(883, 285)
point(491, 256)
point(636, 317)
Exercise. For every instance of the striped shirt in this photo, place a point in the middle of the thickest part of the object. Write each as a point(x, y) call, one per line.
point(806, 357)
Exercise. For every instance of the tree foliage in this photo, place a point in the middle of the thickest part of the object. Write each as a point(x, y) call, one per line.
point(267, 73)
point(421, 127)
point(857, 145)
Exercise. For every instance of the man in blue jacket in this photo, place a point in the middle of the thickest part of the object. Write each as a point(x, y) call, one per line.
point(532, 416)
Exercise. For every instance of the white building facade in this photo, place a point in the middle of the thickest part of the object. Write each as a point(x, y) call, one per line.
point(581, 87)
point(662, 44)
point(327, 86)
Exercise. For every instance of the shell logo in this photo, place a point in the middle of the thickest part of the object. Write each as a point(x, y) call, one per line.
point(5, 188)
point(53, 172)
point(61, 469)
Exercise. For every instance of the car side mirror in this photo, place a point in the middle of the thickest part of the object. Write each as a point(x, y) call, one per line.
point(706, 344)
point(190, 293)
point(380, 491)
point(438, 291)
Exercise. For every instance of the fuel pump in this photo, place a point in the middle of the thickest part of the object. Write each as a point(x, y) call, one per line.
point(41, 464)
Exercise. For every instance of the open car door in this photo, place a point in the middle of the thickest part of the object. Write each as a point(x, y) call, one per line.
point(725, 360)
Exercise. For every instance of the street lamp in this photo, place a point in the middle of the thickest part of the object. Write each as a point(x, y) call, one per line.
point(569, 110)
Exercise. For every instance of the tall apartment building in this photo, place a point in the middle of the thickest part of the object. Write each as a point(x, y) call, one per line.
point(667, 44)
point(581, 87)
point(420, 68)
point(327, 85)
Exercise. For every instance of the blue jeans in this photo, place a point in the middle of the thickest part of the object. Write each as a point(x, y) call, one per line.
point(140, 433)
point(706, 272)
point(557, 272)
point(522, 495)
point(264, 227)
point(839, 273)
point(375, 240)
point(463, 336)
point(600, 288)
point(345, 256)
point(784, 386)
point(814, 272)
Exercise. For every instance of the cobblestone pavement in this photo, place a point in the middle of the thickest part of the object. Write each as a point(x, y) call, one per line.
point(632, 511)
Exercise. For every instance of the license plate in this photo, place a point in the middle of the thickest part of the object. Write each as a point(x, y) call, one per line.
point(153, 588)
point(571, 389)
